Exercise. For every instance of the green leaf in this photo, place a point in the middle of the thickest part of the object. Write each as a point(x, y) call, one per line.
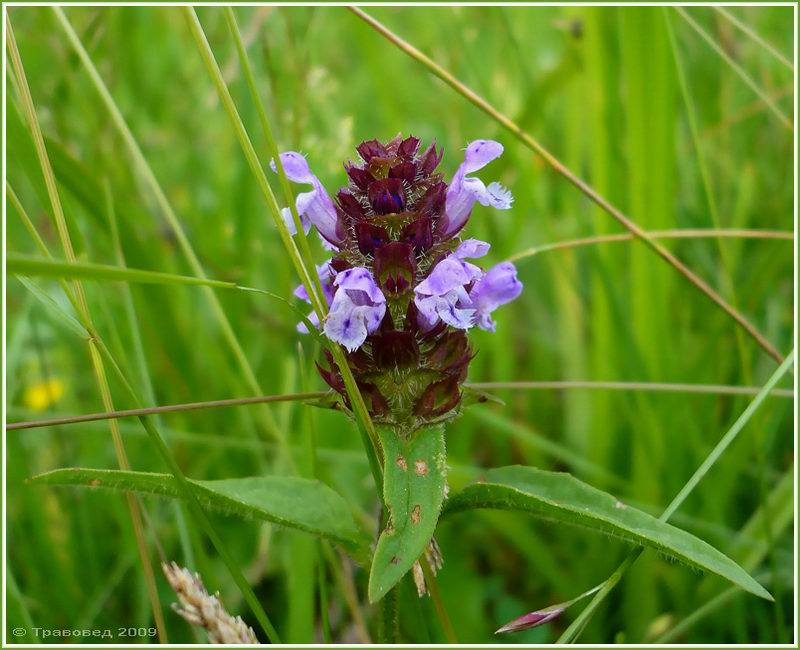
point(413, 489)
point(40, 266)
point(560, 497)
point(304, 504)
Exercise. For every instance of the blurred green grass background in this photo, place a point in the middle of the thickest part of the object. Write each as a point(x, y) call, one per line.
point(602, 88)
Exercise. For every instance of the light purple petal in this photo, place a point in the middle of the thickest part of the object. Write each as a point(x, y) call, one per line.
point(480, 153)
point(464, 191)
point(471, 248)
point(359, 279)
point(296, 167)
point(357, 309)
point(325, 273)
point(498, 286)
point(313, 319)
point(315, 205)
point(446, 307)
point(499, 197)
point(288, 219)
point(447, 275)
point(345, 325)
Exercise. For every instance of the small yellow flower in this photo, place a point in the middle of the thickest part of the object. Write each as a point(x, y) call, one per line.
point(42, 394)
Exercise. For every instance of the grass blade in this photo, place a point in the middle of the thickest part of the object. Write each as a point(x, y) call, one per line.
point(699, 233)
point(142, 166)
point(746, 29)
point(78, 298)
point(174, 408)
point(764, 97)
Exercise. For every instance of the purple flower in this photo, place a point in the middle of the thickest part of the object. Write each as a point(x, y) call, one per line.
point(326, 274)
point(542, 616)
point(443, 293)
point(357, 308)
point(533, 619)
point(403, 288)
point(314, 207)
point(498, 286)
point(465, 190)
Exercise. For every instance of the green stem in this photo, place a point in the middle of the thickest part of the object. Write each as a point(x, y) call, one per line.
point(388, 623)
point(441, 612)
point(78, 298)
point(272, 146)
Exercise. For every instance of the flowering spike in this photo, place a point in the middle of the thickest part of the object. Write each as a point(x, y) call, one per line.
point(402, 288)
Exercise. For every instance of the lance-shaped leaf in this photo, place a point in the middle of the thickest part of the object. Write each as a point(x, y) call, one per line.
point(299, 503)
point(560, 497)
point(413, 489)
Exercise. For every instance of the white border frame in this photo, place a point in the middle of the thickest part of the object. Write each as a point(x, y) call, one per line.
point(6, 5)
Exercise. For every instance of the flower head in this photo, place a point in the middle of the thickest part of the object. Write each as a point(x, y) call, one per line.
point(401, 288)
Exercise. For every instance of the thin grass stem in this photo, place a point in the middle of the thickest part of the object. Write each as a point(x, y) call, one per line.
point(173, 408)
point(740, 72)
point(755, 36)
point(438, 603)
point(134, 506)
point(366, 428)
point(535, 146)
point(710, 389)
point(305, 249)
point(697, 233)
point(705, 389)
point(164, 205)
